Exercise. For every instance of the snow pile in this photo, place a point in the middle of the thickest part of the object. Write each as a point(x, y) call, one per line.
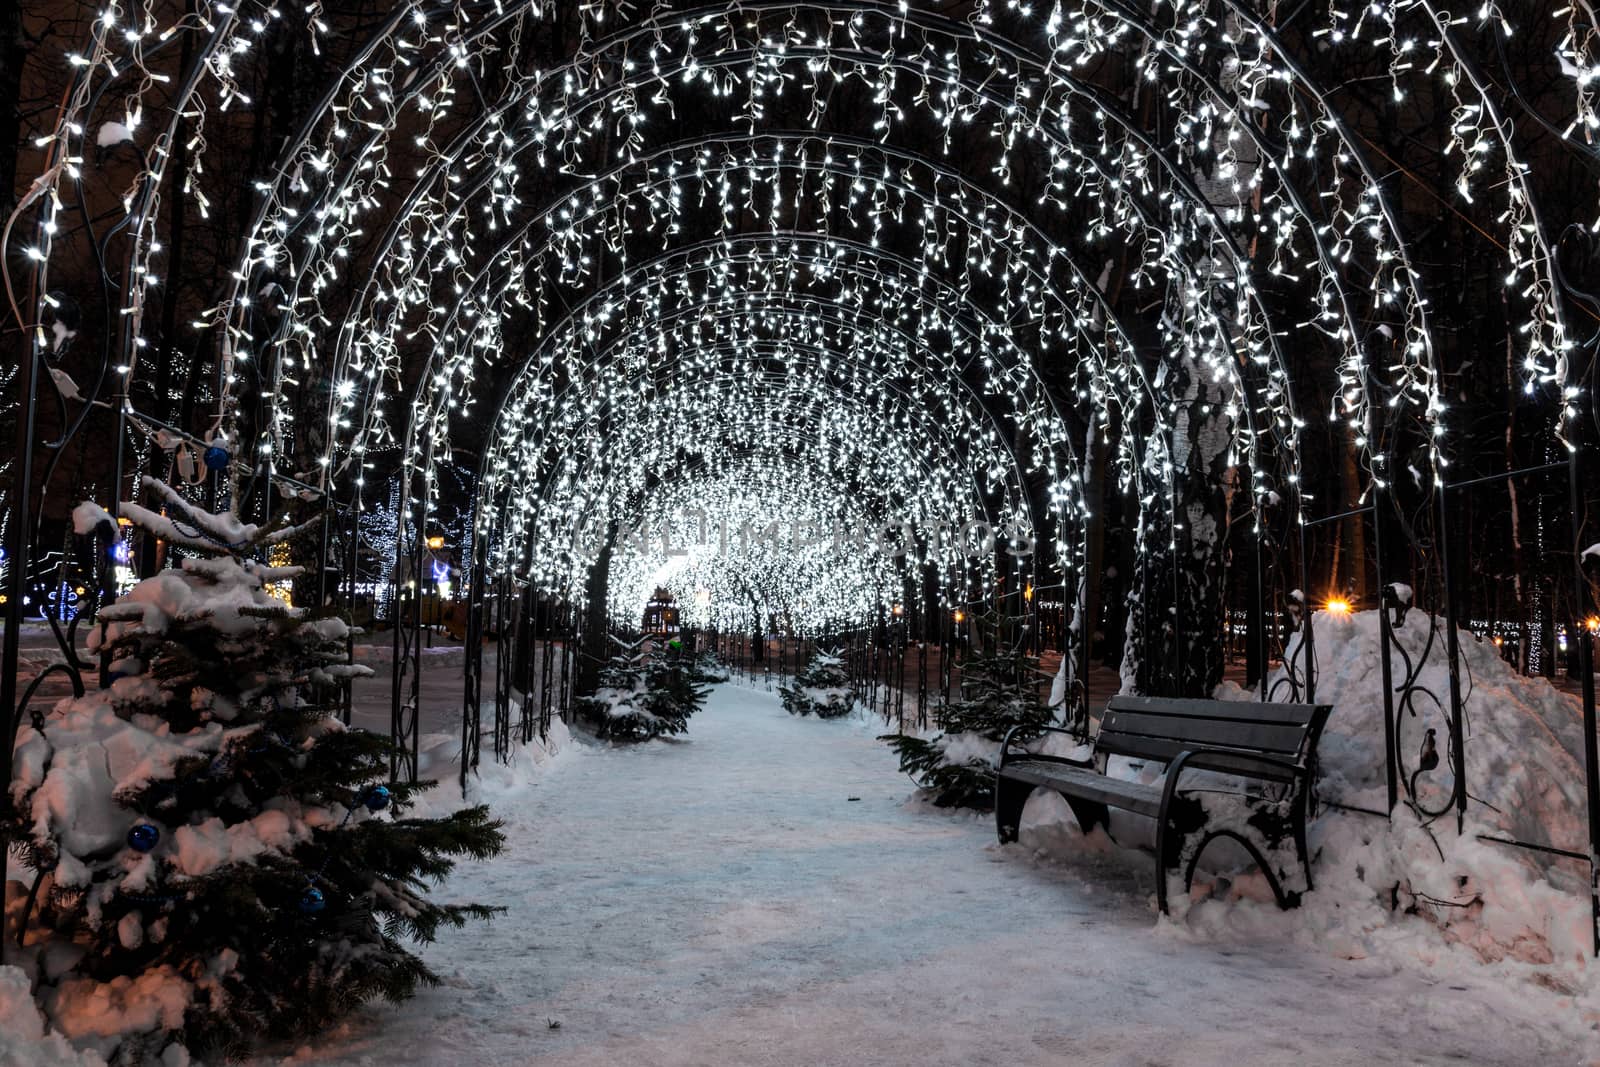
point(495, 783)
point(24, 1039)
point(1413, 888)
point(102, 1014)
point(1523, 739)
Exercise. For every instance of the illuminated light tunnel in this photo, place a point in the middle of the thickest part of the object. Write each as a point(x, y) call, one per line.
point(811, 313)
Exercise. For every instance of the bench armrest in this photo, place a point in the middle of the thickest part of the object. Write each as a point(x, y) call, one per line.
point(1005, 746)
point(1180, 763)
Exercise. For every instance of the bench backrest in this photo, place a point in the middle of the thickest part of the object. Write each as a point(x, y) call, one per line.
point(1158, 728)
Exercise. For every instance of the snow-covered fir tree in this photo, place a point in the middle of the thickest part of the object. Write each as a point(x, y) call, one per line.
point(998, 692)
point(646, 690)
point(709, 669)
point(214, 851)
point(822, 689)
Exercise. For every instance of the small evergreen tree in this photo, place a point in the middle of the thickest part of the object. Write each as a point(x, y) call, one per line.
point(645, 691)
point(956, 766)
point(821, 689)
point(204, 831)
point(709, 669)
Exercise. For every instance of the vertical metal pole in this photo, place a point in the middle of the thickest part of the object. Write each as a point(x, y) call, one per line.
point(1453, 650)
point(351, 574)
point(562, 614)
point(1258, 605)
point(1391, 758)
point(472, 675)
point(397, 611)
point(1591, 744)
point(1308, 636)
point(19, 550)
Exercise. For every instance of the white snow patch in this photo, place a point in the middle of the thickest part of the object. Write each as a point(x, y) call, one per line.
point(88, 518)
point(112, 133)
point(24, 1039)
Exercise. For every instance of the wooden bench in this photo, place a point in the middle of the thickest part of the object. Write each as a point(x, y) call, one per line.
point(1267, 751)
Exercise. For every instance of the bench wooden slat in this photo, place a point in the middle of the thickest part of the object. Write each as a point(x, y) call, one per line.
point(1082, 782)
point(1119, 727)
point(1241, 764)
point(1221, 710)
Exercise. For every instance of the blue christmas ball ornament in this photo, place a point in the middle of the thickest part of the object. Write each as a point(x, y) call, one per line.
point(377, 798)
point(143, 837)
point(216, 458)
point(311, 901)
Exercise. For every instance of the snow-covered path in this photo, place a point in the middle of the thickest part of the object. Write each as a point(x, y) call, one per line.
point(724, 900)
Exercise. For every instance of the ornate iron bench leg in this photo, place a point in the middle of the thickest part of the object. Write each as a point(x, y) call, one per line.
point(1269, 832)
point(1009, 798)
point(1181, 818)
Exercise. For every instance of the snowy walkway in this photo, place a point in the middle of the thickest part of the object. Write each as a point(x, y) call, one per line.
point(722, 900)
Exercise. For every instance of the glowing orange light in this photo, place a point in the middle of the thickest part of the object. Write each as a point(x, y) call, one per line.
point(1027, 592)
point(435, 542)
point(1339, 605)
point(961, 616)
point(1592, 623)
point(898, 610)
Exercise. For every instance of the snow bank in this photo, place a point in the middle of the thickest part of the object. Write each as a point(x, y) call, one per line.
point(439, 759)
point(24, 1038)
point(1414, 889)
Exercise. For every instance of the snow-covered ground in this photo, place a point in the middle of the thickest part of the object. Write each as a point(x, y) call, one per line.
point(760, 892)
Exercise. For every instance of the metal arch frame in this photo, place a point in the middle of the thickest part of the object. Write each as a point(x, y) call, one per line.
point(1224, 333)
point(1222, 329)
point(954, 319)
point(575, 313)
point(924, 21)
point(1196, 198)
point(937, 24)
point(333, 91)
point(481, 279)
point(731, 165)
point(725, 314)
point(813, 237)
point(685, 251)
point(1056, 250)
point(928, 471)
